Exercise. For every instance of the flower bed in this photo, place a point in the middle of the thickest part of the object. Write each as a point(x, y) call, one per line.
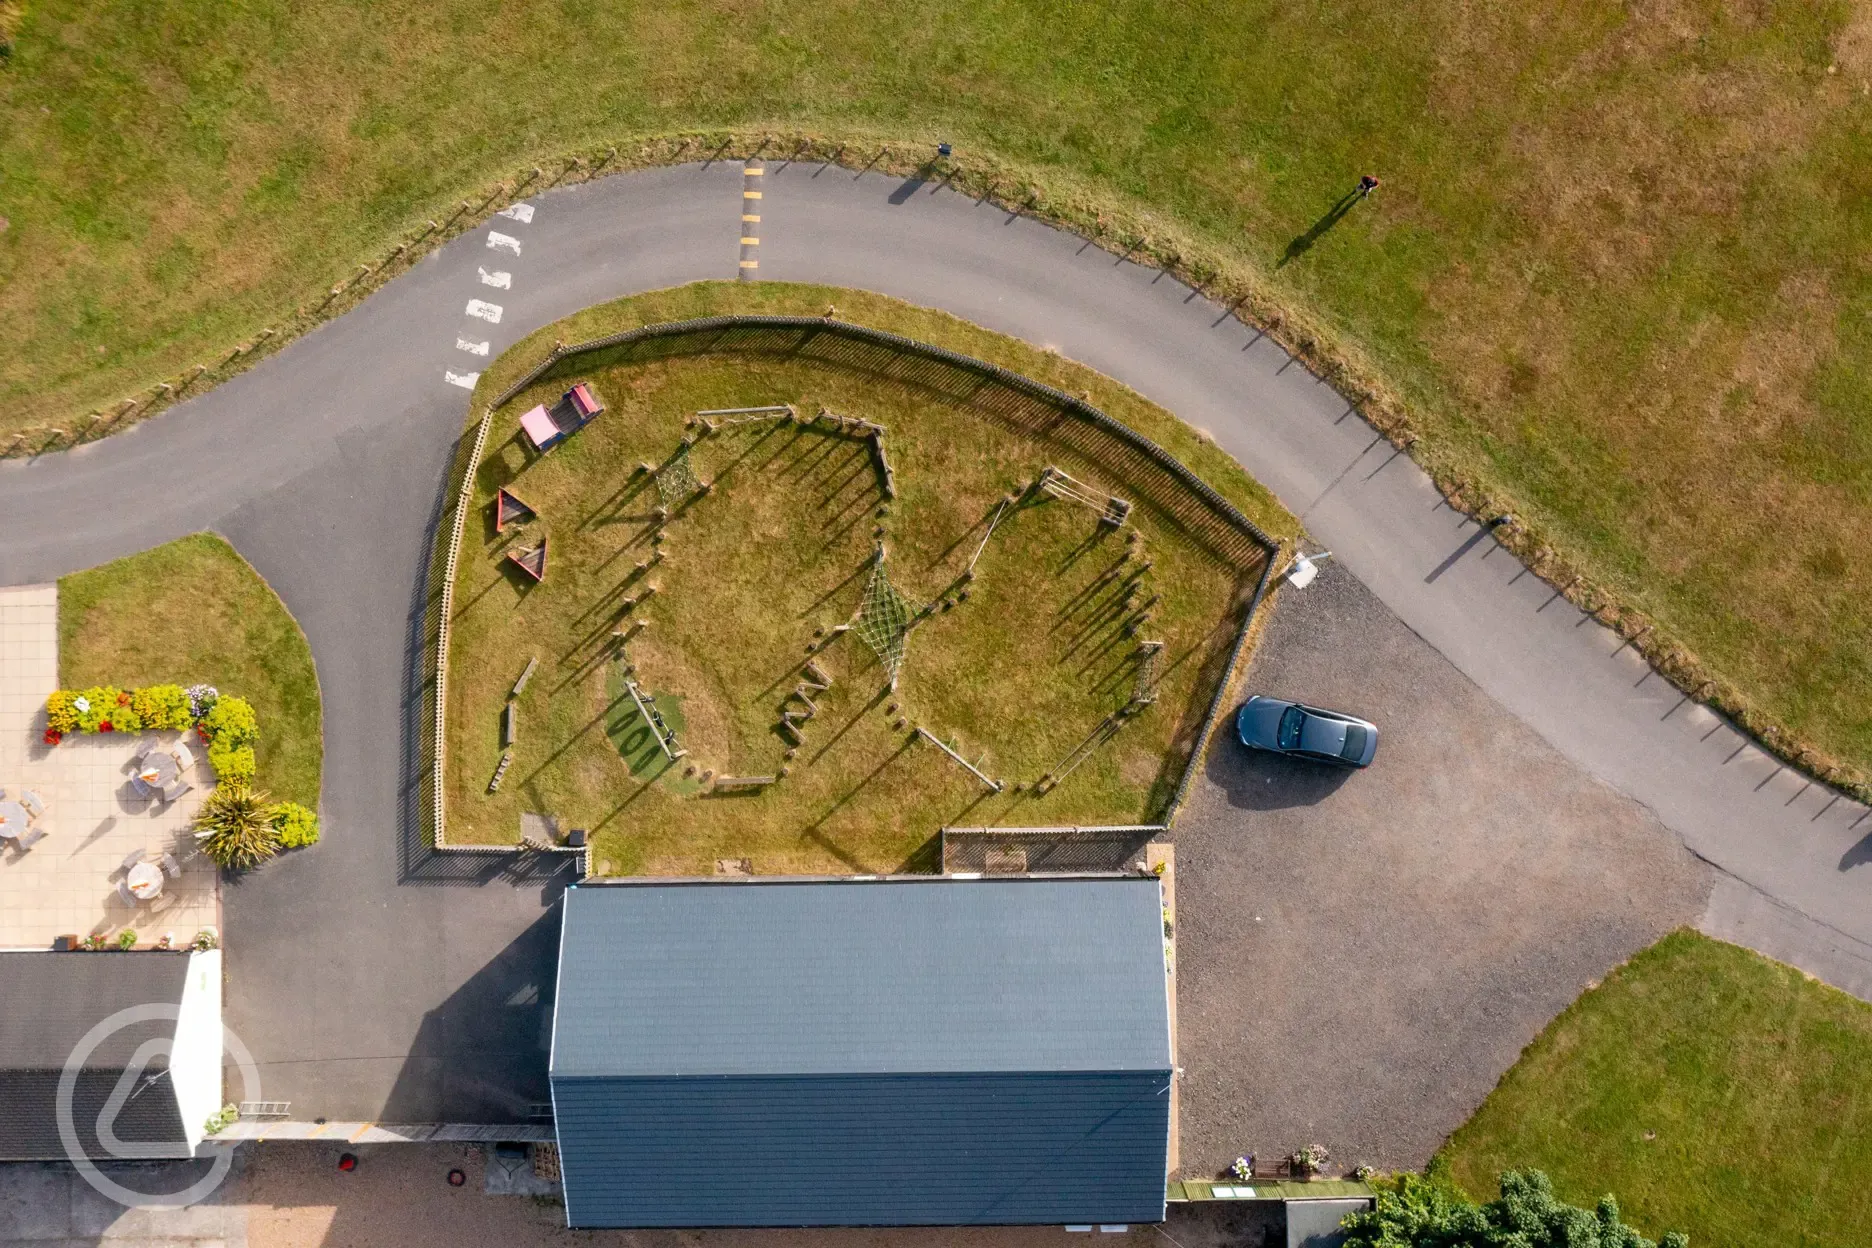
point(227, 725)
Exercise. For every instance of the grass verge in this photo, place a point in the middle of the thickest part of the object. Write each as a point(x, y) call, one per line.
point(194, 611)
point(1715, 1091)
point(1015, 667)
point(1613, 272)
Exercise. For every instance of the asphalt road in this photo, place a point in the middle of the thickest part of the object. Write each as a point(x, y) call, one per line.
point(323, 465)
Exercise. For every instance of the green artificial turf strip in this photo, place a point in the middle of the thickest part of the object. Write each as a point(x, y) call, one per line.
point(194, 612)
point(1615, 264)
point(1710, 1089)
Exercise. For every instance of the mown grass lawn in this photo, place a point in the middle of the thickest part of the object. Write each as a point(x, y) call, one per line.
point(713, 611)
point(1616, 263)
point(1712, 1090)
point(195, 612)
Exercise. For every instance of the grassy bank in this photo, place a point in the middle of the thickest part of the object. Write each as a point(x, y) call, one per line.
point(715, 609)
point(1716, 1091)
point(1615, 265)
point(191, 612)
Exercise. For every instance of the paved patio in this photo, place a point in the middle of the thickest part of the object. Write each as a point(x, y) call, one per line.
point(66, 884)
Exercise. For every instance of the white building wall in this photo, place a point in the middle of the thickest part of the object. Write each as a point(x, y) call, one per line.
point(195, 1053)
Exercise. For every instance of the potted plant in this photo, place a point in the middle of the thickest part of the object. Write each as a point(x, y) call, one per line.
point(126, 939)
point(1308, 1161)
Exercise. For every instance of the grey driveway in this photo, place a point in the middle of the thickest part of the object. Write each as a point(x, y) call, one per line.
point(366, 974)
point(1364, 953)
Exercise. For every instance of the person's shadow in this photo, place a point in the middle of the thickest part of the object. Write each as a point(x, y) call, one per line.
point(1858, 855)
point(1301, 245)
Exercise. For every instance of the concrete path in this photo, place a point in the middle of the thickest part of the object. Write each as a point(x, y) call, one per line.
point(323, 466)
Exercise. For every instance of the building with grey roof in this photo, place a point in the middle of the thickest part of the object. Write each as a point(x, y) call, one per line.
point(862, 1052)
point(128, 1043)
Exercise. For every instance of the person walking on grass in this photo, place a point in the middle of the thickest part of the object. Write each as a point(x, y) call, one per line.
point(1367, 184)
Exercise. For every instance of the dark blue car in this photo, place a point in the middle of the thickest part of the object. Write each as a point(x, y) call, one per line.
point(1302, 731)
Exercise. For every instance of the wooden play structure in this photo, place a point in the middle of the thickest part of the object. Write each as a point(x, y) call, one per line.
point(575, 409)
point(508, 510)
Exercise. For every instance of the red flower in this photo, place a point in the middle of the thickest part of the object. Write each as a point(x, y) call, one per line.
point(105, 727)
point(53, 736)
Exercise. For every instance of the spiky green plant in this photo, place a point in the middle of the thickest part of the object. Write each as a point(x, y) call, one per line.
point(235, 827)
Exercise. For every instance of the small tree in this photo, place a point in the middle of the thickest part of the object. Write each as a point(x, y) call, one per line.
point(235, 827)
point(1421, 1213)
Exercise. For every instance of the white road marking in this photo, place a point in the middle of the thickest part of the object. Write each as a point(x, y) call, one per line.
point(489, 312)
point(523, 213)
point(465, 380)
point(498, 241)
point(472, 348)
point(499, 281)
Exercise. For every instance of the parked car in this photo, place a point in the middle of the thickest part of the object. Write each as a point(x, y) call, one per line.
point(1302, 731)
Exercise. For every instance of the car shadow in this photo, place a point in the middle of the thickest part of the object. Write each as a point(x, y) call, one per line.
point(1256, 780)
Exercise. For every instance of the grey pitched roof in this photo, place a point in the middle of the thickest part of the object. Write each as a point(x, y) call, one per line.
point(48, 1002)
point(887, 1052)
point(52, 999)
point(862, 977)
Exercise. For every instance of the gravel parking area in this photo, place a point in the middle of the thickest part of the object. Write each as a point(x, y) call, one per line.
point(1363, 954)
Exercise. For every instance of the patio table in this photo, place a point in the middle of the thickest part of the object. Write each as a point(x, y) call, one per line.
point(12, 820)
point(156, 772)
point(145, 880)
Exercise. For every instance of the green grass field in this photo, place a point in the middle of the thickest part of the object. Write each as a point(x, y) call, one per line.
point(1713, 1090)
point(1616, 265)
point(195, 612)
point(1014, 667)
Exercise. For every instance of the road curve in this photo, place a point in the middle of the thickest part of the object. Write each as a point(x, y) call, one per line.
point(323, 465)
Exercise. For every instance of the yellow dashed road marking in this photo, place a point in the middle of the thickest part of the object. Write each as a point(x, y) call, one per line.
point(750, 194)
point(749, 242)
point(750, 264)
point(751, 216)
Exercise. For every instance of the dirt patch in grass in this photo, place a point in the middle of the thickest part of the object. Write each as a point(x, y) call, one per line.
point(195, 612)
point(715, 607)
point(1715, 1091)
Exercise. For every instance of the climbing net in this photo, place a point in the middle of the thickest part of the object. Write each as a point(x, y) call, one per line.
point(884, 620)
point(676, 479)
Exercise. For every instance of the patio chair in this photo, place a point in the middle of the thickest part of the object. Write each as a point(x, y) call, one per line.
point(133, 858)
point(31, 839)
point(176, 790)
point(34, 804)
point(170, 866)
point(184, 758)
point(125, 895)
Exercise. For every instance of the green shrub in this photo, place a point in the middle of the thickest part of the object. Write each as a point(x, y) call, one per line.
point(1422, 1213)
point(231, 763)
point(231, 722)
point(97, 706)
point(297, 826)
point(162, 707)
point(222, 1119)
point(61, 715)
point(234, 827)
point(126, 939)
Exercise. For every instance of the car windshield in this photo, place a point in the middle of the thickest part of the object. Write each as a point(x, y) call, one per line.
point(1289, 733)
point(1354, 743)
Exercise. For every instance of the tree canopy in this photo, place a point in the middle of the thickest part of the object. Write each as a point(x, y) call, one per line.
point(1422, 1213)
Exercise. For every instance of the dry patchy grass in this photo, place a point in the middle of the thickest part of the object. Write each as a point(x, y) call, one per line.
point(1617, 267)
point(1015, 668)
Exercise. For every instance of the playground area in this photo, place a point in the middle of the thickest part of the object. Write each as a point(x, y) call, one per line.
point(777, 615)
